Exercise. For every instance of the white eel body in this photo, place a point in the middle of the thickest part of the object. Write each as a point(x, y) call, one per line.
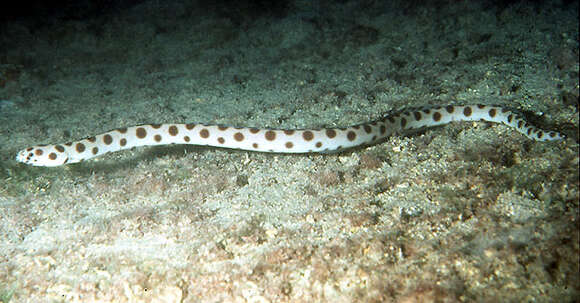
point(276, 140)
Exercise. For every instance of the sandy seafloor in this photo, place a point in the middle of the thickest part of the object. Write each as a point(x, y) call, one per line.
point(468, 212)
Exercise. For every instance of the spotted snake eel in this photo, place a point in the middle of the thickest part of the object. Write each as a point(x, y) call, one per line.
point(277, 140)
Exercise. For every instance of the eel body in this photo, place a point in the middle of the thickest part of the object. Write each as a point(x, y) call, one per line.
point(323, 140)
